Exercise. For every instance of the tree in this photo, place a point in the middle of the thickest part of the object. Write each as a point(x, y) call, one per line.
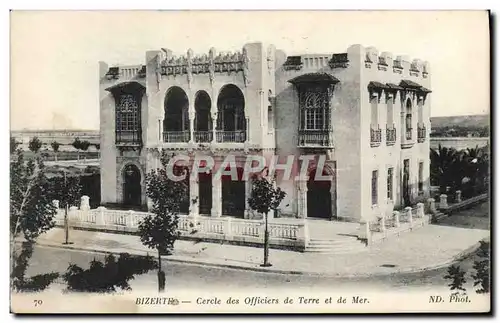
point(35, 145)
point(158, 230)
point(67, 190)
point(457, 277)
point(109, 276)
point(482, 268)
point(84, 145)
point(55, 147)
point(77, 144)
point(13, 145)
point(31, 214)
point(265, 197)
point(446, 168)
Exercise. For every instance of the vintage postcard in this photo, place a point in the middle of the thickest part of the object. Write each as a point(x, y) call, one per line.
point(250, 162)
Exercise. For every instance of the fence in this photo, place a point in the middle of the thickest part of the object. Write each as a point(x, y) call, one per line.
point(396, 223)
point(232, 230)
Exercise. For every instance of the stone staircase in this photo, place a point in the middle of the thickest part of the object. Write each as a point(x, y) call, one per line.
point(333, 237)
point(337, 245)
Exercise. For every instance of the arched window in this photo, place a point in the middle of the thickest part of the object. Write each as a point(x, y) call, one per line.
point(176, 121)
point(408, 120)
point(231, 122)
point(128, 98)
point(203, 117)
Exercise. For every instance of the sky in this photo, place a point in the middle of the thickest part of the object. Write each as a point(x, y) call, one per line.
point(55, 54)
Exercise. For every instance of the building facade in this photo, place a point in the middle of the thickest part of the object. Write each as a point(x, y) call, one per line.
point(363, 117)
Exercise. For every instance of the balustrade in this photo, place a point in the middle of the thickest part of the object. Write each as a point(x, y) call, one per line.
point(176, 136)
point(390, 136)
point(375, 137)
point(317, 138)
point(203, 136)
point(421, 133)
point(231, 136)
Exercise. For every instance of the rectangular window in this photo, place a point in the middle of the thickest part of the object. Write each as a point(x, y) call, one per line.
point(420, 113)
point(374, 116)
point(390, 180)
point(390, 113)
point(421, 176)
point(270, 118)
point(374, 187)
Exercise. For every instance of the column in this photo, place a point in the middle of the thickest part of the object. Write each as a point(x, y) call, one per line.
point(213, 111)
point(101, 220)
point(409, 215)
point(396, 218)
point(194, 196)
point(214, 126)
point(443, 201)
point(248, 194)
point(458, 196)
point(216, 196)
point(84, 203)
point(192, 115)
point(432, 205)
point(302, 199)
point(420, 210)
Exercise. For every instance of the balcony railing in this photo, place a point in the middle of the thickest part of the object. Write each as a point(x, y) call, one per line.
point(176, 136)
point(231, 136)
point(421, 133)
point(128, 137)
point(390, 136)
point(375, 137)
point(203, 136)
point(407, 141)
point(315, 138)
point(409, 133)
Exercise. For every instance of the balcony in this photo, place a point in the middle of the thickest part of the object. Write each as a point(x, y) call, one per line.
point(390, 136)
point(203, 136)
point(408, 140)
point(128, 138)
point(176, 136)
point(375, 137)
point(231, 136)
point(421, 134)
point(409, 133)
point(315, 138)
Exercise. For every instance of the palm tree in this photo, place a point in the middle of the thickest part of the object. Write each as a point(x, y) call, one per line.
point(55, 147)
point(445, 162)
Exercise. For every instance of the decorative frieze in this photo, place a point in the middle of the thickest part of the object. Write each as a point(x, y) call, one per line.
point(398, 66)
point(371, 57)
point(415, 68)
point(339, 61)
point(293, 63)
point(202, 64)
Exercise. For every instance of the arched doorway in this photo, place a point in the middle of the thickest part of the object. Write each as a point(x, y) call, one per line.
point(179, 170)
point(205, 193)
point(231, 122)
point(132, 186)
point(176, 120)
point(319, 196)
point(203, 118)
point(233, 194)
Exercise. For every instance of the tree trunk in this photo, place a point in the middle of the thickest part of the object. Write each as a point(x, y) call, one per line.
point(161, 275)
point(66, 226)
point(266, 244)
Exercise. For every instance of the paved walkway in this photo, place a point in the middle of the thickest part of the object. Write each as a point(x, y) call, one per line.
point(429, 247)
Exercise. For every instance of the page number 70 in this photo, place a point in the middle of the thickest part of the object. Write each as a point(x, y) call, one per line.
point(37, 302)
